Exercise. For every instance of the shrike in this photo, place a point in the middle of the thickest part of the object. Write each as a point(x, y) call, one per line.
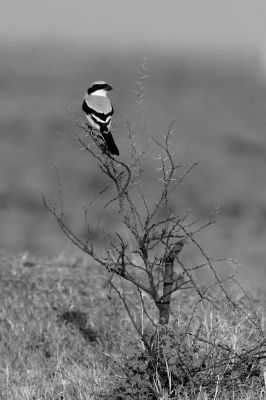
point(98, 109)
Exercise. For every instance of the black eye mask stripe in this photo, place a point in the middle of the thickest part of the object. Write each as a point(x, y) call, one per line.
point(99, 86)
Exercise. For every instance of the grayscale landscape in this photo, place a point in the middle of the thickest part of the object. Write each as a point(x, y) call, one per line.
point(119, 280)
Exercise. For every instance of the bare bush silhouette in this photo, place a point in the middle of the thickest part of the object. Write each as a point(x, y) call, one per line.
point(149, 258)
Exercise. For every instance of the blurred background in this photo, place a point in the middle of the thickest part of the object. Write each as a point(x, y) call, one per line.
point(207, 69)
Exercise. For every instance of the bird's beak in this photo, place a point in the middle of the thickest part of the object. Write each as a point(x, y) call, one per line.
point(109, 87)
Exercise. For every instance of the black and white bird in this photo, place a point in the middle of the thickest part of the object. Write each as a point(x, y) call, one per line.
point(99, 110)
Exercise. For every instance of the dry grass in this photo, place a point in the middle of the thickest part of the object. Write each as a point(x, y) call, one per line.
point(61, 329)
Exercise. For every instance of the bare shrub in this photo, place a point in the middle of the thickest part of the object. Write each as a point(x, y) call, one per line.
point(147, 255)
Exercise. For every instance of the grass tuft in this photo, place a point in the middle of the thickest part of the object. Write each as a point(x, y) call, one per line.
point(62, 332)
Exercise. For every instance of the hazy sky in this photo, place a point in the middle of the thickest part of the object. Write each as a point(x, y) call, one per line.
point(121, 22)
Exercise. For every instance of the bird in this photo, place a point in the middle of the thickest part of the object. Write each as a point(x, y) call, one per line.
point(99, 110)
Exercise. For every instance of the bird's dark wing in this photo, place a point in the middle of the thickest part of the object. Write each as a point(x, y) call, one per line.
point(99, 109)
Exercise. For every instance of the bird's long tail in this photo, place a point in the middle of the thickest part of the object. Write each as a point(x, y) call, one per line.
point(110, 143)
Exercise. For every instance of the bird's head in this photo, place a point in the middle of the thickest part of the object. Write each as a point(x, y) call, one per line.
point(99, 88)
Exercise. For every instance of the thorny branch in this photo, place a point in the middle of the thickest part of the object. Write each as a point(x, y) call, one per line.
point(135, 259)
point(146, 250)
